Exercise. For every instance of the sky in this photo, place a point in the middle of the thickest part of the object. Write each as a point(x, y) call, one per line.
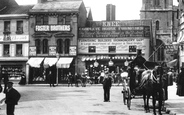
point(125, 9)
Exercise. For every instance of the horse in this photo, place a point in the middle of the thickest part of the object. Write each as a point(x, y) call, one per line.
point(150, 85)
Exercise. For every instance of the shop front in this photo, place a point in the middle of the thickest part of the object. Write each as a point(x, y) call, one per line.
point(40, 66)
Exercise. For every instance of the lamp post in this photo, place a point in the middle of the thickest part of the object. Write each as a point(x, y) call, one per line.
point(57, 56)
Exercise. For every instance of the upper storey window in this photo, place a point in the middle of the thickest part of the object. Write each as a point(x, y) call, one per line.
point(42, 20)
point(19, 27)
point(62, 19)
point(157, 2)
point(7, 26)
point(157, 25)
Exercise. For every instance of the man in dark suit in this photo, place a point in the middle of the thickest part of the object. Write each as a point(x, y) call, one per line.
point(51, 79)
point(11, 99)
point(107, 83)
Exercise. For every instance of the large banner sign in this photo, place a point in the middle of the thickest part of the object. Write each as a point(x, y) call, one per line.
point(120, 45)
point(52, 28)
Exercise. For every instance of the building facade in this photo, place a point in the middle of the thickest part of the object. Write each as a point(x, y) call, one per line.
point(112, 44)
point(110, 12)
point(164, 26)
point(53, 38)
point(14, 39)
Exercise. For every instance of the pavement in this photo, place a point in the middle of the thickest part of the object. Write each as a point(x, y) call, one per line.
point(175, 103)
point(40, 99)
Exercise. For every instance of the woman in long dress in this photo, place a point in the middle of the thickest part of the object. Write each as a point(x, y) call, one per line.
point(180, 83)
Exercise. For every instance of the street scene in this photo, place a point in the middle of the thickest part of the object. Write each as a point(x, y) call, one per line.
point(63, 100)
point(84, 57)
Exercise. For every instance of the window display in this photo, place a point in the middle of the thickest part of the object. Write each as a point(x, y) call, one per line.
point(14, 72)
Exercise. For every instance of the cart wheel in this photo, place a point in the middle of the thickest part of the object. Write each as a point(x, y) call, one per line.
point(124, 97)
point(128, 98)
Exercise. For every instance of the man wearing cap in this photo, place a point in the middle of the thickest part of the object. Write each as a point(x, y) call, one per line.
point(11, 99)
point(107, 83)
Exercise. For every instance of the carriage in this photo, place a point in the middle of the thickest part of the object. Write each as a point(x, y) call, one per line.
point(134, 84)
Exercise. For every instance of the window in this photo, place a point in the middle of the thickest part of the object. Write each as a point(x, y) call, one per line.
point(38, 46)
point(6, 49)
point(67, 45)
point(19, 27)
point(61, 19)
point(157, 25)
point(92, 49)
point(41, 19)
point(132, 48)
point(157, 2)
point(112, 48)
point(60, 46)
point(68, 19)
point(166, 4)
point(45, 46)
point(160, 51)
point(7, 26)
point(19, 49)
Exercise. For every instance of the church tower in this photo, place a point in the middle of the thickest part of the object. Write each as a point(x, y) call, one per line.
point(164, 22)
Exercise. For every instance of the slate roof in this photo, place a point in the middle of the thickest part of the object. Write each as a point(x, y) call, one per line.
point(60, 6)
point(22, 9)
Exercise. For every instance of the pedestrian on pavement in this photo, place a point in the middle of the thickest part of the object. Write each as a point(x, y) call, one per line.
point(23, 79)
point(180, 83)
point(107, 83)
point(70, 79)
point(76, 78)
point(5, 79)
point(11, 99)
point(51, 79)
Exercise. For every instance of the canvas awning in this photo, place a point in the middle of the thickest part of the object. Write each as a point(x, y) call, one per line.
point(50, 61)
point(172, 63)
point(64, 62)
point(35, 62)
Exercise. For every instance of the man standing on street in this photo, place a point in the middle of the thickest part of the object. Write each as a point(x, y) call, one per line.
point(107, 83)
point(51, 79)
point(11, 99)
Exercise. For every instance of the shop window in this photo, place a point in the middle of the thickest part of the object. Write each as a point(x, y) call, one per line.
point(19, 49)
point(112, 48)
point(68, 19)
point(19, 27)
point(14, 72)
point(160, 51)
point(42, 19)
point(60, 46)
point(67, 46)
point(7, 26)
point(61, 19)
point(6, 49)
point(38, 46)
point(45, 46)
point(92, 49)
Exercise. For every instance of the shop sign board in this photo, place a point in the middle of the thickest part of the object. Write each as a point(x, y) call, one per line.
point(52, 28)
point(121, 44)
point(52, 50)
point(32, 51)
point(73, 50)
point(114, 31)
point(15, 38)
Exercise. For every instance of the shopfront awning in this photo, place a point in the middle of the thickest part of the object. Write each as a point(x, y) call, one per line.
point(64, 62)
point(35, 62)
point(172, 63)
point(50, 61)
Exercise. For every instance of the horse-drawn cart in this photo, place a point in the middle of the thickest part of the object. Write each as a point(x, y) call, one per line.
point(145, 81)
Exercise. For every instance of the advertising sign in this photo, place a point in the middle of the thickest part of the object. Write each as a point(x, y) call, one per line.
point(121, 44)
point(52, 28)
point(73, 50)
point(32, 51)
point(52, 50)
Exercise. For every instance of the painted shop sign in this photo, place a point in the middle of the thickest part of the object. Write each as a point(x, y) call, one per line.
point(15, 38)
point(73, 50)
point(32, 51)
point(52, 50)
point(52, 28)
point(121, 45)
point(114, 32)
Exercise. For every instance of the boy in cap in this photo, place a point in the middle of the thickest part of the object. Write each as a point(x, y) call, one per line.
point(11, 99)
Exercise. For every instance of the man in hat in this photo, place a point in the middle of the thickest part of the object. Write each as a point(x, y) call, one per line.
point(11, 99)
point(107, 83)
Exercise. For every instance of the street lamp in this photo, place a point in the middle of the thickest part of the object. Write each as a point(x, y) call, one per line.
point(57, 56)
